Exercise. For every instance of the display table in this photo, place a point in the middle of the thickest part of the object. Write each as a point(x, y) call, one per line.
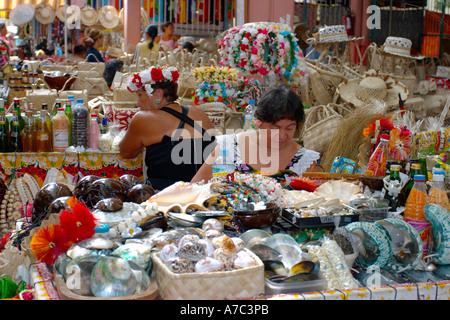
point(102, 164)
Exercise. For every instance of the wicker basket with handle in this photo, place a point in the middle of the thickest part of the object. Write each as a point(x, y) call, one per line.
point(236, 284)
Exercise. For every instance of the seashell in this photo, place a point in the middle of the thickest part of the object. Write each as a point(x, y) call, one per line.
point(113, 277)
point(209, 248)
point(97, 244)
point(192, 251)
point(168, 252)
point(439, 219)
point(140, 193)
point(224, 242)
point(211, 234)
point(212, 224)
point(209, 265)
point(182, 265)
point(136, 252)
point(77, 251)
point(109, 205)
point(225, 256)
point(344, 191)
point(142, 277)
point(45, 197)
point(266, 253)
point(78, 274)
point(61, 263)
point(305, 267)
point(286, 245)
point(129, 180)
point(188, 238)
point(244, 260)
point(274, 269)
point(238, 243)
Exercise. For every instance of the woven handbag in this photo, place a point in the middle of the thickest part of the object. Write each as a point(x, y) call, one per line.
point(121, 92)
point(321, 123)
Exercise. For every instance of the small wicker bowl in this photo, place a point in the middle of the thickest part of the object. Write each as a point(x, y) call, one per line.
point(59, 83)
point(258, 219)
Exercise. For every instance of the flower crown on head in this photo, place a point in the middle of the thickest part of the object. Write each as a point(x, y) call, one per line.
point(145, 79)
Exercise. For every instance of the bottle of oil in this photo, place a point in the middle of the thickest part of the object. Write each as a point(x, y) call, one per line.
point(43, 136)
point(29, 135)
point(15, 142)
point(4, 133)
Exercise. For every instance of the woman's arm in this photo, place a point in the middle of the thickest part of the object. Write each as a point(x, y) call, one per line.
point(131, 145)
point(205, 171)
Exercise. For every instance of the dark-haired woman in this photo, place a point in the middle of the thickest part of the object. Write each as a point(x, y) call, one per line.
point(167, 38)
point(176, 139)
point(149, 48)
point(270, 149)
point(93, 42)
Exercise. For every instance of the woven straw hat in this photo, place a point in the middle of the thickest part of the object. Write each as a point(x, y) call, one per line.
point(45, 14)
point(89, 16)
point(331, 34)
point(400, 47)
point(22, 14)
point(71, 11)
point(109, 17)
point(145, 20)
point(359, 92)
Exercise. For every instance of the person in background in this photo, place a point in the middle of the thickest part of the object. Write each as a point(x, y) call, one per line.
point(79, 51)
point(7, 37)
point(149, 47)
point(163, 130)
point(271, 149)
point(111, 67)
point(188, 46)
point(167, 38)
point(93, 42)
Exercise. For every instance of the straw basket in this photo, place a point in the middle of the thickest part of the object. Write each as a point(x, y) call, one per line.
point(322, 84)
point(320, 126)
point(236, 284)
point(121, 92)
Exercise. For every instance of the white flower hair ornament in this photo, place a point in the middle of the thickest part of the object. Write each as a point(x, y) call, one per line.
point(147, 78)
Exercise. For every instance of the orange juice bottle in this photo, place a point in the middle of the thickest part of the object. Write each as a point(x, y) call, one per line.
point(60, 131)
point(438, 194)
point(414, 210)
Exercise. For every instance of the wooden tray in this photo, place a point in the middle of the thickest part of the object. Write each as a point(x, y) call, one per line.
point(66, 294)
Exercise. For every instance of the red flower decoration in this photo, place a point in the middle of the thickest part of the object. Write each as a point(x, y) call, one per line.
point(49, 242)
point(175, 76)
point(78, 223)
point(157, 74)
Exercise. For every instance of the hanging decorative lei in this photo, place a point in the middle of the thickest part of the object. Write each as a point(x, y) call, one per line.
point(145, 79)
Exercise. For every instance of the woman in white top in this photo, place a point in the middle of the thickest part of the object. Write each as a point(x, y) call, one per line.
point(167, 38)
point(271, 149)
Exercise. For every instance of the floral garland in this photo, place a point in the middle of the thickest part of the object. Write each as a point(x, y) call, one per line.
point(146, 78)
point(214, 74)
point(267, 49)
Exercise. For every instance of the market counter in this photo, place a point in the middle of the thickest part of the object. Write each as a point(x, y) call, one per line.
point(102, 164)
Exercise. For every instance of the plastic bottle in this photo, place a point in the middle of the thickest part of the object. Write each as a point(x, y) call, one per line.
point(438, 193)
point(414, 210)
point(377, 162)
point(29, 135)
point(15, 142)
point(60, 131)
point(249, 115)
point(69, 114)
point(4, 133)
point(220, 167)
point(94, 133)
point(43, 136)
point(104, 126)
point(80, 125)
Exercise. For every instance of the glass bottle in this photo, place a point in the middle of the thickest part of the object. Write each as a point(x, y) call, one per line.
point(438, 193)
point(56, 107)
point(69, 114)
point(29, 135)
point(94, 133)
point(2, 109)
point(60, 131)
point(378, 160)
point(4, 133)
point(414, 210)
point(19, 113)
point(415, 170)
point(15, 142)
point(43, 136)
point(423, 166)
point(391, 195)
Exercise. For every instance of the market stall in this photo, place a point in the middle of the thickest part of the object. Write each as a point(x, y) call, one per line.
point(347, 233)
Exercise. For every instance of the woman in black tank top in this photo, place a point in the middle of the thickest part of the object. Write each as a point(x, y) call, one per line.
point(176, 140)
